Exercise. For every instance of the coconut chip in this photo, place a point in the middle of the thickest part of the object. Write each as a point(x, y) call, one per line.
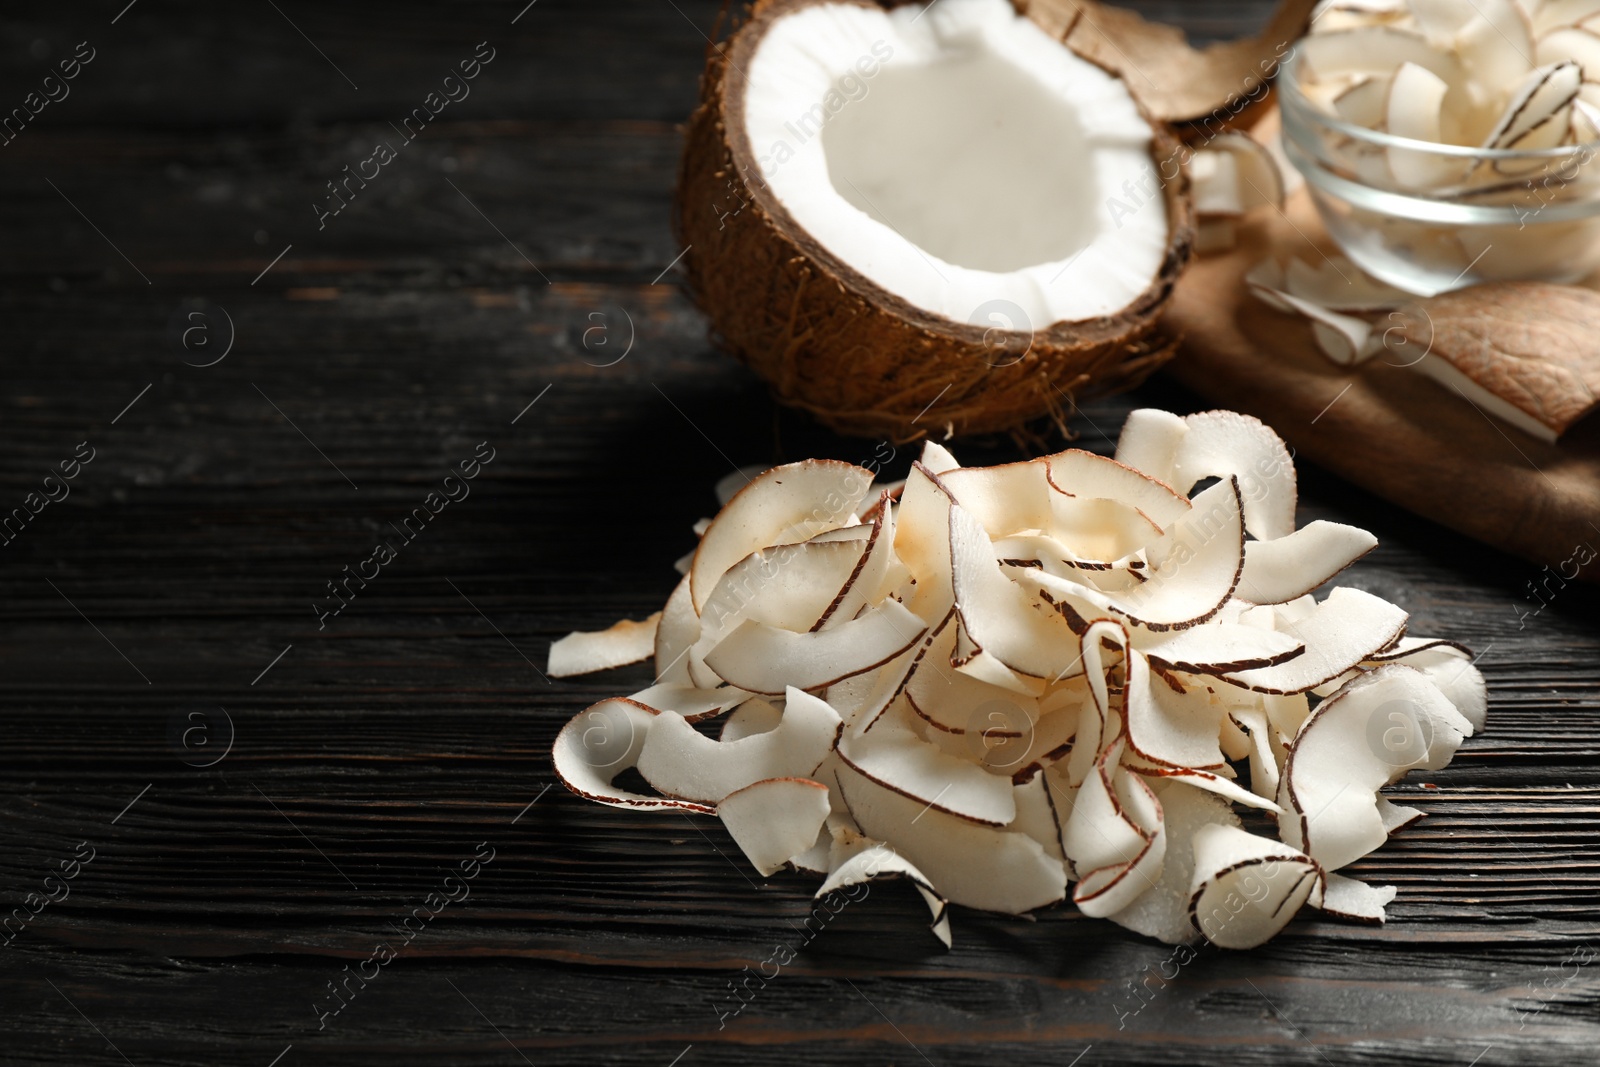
point(1001, 683)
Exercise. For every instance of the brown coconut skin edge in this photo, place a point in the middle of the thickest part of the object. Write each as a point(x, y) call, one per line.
point(862, 360)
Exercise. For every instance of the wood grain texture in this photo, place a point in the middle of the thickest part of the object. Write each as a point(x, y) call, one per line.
point(384, 748)
point(1384, 426)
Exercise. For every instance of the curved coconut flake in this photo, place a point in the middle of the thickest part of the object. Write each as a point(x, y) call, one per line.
point(951, 700)
point(1258, 179)
point(855, 859)
point(1578, 44)
point(1078, 473)
point(1219, 648)
point(1036, 815)
point(1226, 788)
point(1150, 441)
point(1351, 899)
point(1045, 553)
point(888, 683)
point(761, 658)
point(1415, 110)
point(1342, 631)
point(1047, 743)
point(728, 487)
point(1396, 817)
point(922, 542)
point(1166, 726)
point(1246, 888)
point(1550, 15)
point(1377, 51)
point(1119, 807)
point(751, 717)
point(1162, 911)
point(1224, 443)
point(1449, 668)
point(792, 586)
point(938, 458)
point(1360, 739)
point(676, 632)
point(624, 642)
point(975, 866)
point(814, 494)
point(1538, 114)
point(1099, 528)
point(1333, 15)
point(1203, 556)
point(774, 819)
point(895, 758)
point(689, 701)
point(1496, 44)
point(999, 616)
point(600, 743)
point(864, 586)
point(1339, 285)
point(1005, 499)
point(1100, 720)
point(1266, 767)
point(1363, 102)
point(681, 762)
point(1290, 567)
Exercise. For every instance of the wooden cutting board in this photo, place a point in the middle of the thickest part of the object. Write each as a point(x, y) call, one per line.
point(1390, 430)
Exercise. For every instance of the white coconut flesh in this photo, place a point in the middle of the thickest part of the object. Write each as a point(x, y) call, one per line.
point(959, 158)
point(948, 688)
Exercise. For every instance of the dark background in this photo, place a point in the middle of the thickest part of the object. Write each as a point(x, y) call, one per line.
point(164, 608)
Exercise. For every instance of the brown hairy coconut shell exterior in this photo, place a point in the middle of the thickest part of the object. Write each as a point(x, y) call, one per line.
point(859, 358)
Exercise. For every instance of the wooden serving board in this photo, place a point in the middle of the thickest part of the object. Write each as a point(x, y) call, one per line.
point(1388, 429)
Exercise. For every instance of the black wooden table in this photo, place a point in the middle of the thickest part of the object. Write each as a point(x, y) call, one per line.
point(220, 796)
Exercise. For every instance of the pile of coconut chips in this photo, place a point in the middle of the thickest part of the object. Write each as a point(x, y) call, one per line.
point(1010, 684)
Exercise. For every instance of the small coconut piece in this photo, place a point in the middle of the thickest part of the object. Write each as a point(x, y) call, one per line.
point(1246, 888)
point(1256, 173)
point(683, 763)
point(1216, 184)
point(1351, 899)
point(1523, 351)
point(774, 819)
point(619, 644)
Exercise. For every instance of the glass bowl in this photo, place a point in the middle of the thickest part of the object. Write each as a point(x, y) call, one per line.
point(1486, 214)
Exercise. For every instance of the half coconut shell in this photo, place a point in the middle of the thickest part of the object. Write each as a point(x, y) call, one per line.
point(860, 358)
